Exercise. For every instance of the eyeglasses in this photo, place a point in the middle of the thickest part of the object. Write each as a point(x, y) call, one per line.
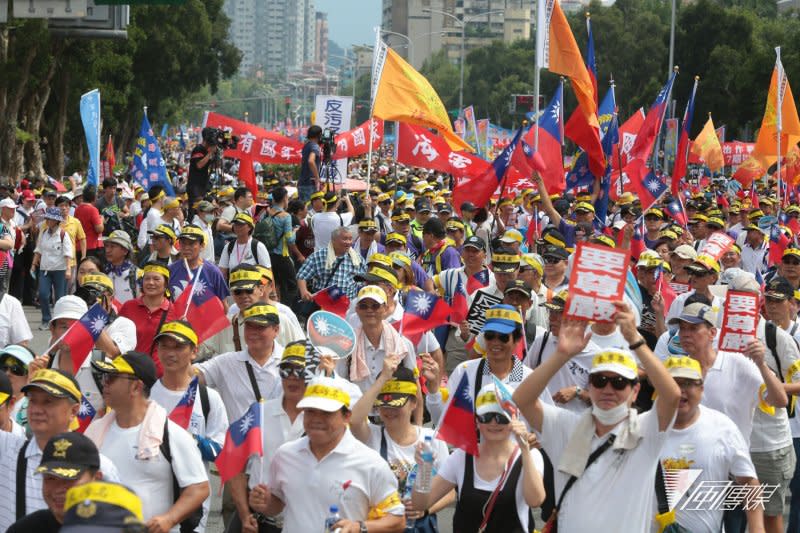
point(688, 383)
point(237, 292)
point(599, 381)
point(364, 306)
point(773, 299)
point(108, 378)
point(291, 371)
point(487, 418)
point(14, 366)
point(696, 274)
point(552, 260)
point(492, 335)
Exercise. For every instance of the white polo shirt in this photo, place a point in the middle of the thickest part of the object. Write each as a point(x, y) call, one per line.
point(14, 328)
point(227, 373)
point(309, 487)
point(10, 445)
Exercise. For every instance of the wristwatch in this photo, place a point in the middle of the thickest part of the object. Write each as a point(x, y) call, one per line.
point(577, 391)
point(362, 526)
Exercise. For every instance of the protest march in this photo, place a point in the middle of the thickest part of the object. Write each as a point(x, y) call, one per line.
point(422, 322)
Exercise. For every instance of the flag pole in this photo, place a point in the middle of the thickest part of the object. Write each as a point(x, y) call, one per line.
point(779, 122)
point(539, 59)
point(376, 53)
point(194, 286)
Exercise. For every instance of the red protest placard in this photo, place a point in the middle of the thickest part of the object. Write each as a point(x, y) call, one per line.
point(739, 321)
point(717, 244)
point(597, 280)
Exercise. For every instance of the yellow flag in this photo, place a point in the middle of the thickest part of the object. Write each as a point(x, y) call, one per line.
point(706, 146)
point(401, 93)
point(766, 149)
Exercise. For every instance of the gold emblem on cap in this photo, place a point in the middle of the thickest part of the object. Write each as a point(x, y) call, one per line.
point(61, 446)
point(86, 509)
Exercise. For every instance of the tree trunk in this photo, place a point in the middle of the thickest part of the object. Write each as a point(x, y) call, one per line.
point(10, 153)
point(35, 110)
point(55, 146)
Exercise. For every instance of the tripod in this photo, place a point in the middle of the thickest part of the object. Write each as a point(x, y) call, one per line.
point(328, 173)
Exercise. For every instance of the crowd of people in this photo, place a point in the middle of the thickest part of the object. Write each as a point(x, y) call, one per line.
point(596, 412)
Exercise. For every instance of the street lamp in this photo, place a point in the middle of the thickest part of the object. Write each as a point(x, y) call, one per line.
point(462, 22)
point(410, 44)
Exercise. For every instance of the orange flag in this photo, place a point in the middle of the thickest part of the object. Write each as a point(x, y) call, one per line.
point(401, 93)
point(706, 146)
point(560, 54)
point(790, 166)
point(766, 149)
point(748, 171)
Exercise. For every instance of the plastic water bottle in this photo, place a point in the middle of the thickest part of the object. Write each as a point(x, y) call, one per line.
point(333, 517)
point(407, 490)
point(423, 482)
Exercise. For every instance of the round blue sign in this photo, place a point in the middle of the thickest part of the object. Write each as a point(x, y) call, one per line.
point(330, 334)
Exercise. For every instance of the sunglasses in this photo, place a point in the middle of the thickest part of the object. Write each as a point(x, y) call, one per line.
point(491, 335)
point(688, 383)
point(487, 418)
point(291, 371)
point(369, 307)
point(552, 260)
point(108, 378)
point(790, 261)
point(237, 292)
point(15, 367)
point(599, 381)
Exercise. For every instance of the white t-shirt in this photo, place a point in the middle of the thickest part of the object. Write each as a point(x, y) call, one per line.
point(13, 326)
point(401, 458)
point(606, 342)
point(309, 487)
point(716, 446)
point(452, 471)
point(235, 254)
point(282, 430)
point(323, 225)
point(152, 479)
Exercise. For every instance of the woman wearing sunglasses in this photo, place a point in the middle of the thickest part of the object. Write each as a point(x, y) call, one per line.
point(502, 331)
point(14, 361)
point(394, 394)
point(497, 488)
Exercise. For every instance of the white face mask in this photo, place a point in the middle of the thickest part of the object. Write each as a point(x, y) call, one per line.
point(209, 217)
point(609, 417)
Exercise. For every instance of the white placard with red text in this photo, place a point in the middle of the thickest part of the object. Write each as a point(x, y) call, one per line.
point(598, 279)
point(739, 321)
point(717, 244)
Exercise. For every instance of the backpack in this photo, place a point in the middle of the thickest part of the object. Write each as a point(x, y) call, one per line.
point(266, 232)
point(253, 247)
point(111, 220)
point(771, 338)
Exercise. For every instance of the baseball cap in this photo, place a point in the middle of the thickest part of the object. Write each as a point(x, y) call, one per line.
point(512, 236)
point(192, 233)
point(8, 202)
point(743, 281)
point(368, 225)
point(396, 237)
point(518, 285)
point(486, 402)
point(505, 261)
point(68, 455)
point(703, 264)
point(136, 364)
point(98, 281)
point(616, 361)
point(70, 306)
point(603, 240)
point(475, 242)
point(325, 394)
point(684, 251)
point(121, 238)
point(53, 213)
point(243, 218)
point(654, 212)
point(779, 288)
point(399, 390)
point(204, 206)
point(371, 292)
point(27, 195)
point(422, 205)
point(558, 301)
point(164, 230)
point(180, 330)
point(400, 259)
point(102, 507)
point(468, 207)
point(294, 353)
point(245, 277)
point(696, 313)
point(584, 207)
point(502, 318)
point(261, 314)
point(22, 355)
point(6, 390)
point(56, 383)
point(683, 367)
point(551, 250)
point(379, 274)
point(533, 261)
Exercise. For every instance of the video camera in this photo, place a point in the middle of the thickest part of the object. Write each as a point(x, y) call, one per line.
point(328, 143)
point(221, 138)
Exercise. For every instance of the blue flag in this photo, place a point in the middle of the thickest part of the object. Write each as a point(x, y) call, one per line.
point(90, 117)
point(164, 128)
point(183, 137)
point(610, 138)
point(149, 166)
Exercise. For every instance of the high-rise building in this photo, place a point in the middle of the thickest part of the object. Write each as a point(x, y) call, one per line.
point(427, 26)
point(321, 36)
point(275, 36)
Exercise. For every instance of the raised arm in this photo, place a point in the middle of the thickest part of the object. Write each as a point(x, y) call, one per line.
point(358, 420)
point(547, 204)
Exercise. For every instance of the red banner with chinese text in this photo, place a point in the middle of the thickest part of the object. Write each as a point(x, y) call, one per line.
point(597, 280)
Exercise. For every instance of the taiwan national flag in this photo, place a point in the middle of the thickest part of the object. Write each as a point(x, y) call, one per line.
point(423, 312)
point(458, 311)
point(204, 311)
point(182, 413)
point(551, 137)
point(332, 299)
point(242, 440)
point(778, 242)
point(85, 415)
point(457, 426)
point(503, 396)
point(675, 210)
point(662, 287)
point(478, 280)
point(647, 186)
point(83, 333)
point(643, 145)
point(480, 189)
point(682, 153)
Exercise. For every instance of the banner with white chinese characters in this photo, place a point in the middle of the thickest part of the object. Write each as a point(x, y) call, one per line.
point(419, 147)
point(717, 244)
point(261, 145)
point(356, 141)
point(739, 321)
point(333, 113)
point(598, 279)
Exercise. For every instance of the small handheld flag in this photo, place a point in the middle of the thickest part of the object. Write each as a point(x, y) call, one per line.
point(242, 440)
point(457, 426)
point(83, 333)
point(182, 413)
point(86, 414)
point(332, 299)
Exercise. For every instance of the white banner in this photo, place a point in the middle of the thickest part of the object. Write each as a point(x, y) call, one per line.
point(333, 113)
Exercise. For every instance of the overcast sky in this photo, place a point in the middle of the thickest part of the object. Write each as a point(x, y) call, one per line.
point(351, 21)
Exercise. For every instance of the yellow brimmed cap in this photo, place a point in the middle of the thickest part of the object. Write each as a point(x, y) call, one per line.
point(179, 330)
point(683, 367)
point(530, 260)
point(193, 233)
point(325, 394)
point(245, 277)
point(396, 237)
point(55, 383)
point(605, 240)
point(294, 353)
point(243, 218)
point(98, 280)
point(261, 314)
point(165, 230)
point(615, 361)
point(103, 505)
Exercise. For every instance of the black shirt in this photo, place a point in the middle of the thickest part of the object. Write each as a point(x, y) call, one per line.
point(197, 182)
point(41, 521)
point(306, 176)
